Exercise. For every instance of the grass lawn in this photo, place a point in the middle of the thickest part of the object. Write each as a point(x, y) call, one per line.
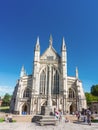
point(1, 119)
point(4, 108)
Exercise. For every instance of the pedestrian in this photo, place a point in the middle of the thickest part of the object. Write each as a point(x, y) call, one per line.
point(56, 113)
point(78, 115)
point(10, 118)
point(6, 118)
point(66, 119)
point(88, 113)
point(60, 115)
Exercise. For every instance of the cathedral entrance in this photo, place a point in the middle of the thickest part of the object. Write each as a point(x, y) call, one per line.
point(25, 109)
point(43, 104)
point(72, 108)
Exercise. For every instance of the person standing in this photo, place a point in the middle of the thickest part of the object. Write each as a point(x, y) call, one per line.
point(88, 113)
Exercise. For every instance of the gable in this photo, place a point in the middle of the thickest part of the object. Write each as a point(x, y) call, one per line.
point(50, 54)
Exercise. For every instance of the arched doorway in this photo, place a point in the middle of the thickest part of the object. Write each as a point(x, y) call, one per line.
point(43, 107)
point(72, 108)
point(25, 109)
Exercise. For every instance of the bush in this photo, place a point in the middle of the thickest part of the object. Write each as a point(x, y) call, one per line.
point(13, 120)
point(94, 121)
point(1, 119)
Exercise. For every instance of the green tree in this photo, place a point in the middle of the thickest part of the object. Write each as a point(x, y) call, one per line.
point(90, 98)
point(94, 90)
point(6, 100)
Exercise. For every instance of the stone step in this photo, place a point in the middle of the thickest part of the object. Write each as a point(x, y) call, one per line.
point(48, 117)
point(48, 120)
point(47, 123)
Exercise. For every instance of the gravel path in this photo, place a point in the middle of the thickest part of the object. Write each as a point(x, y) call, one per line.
point(61, 126)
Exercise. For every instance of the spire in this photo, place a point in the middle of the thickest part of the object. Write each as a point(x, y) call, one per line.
point(23, 72)
point(77, 76)
point(50, 41)
point(37, 47)
point(63, 44)
point(37, 41)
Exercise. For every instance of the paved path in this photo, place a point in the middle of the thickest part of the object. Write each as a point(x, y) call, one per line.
point(62, 126)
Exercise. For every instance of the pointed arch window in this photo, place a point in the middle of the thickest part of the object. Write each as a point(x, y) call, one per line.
point(56, 82)
point(71, 93)
point(42, 82)
point(26, 92)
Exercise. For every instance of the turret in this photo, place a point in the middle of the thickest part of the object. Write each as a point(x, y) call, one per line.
point(37, 46)
point(77, 75)
point(36, 67)
point(23, 72)
point(50, 41)
point(63, 45)
point(64, 57)
point(37, 50)
point(64, 72)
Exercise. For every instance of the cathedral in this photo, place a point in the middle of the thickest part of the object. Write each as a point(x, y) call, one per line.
point(49, 84)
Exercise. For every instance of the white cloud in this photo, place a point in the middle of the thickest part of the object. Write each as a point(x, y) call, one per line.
point(6, 89)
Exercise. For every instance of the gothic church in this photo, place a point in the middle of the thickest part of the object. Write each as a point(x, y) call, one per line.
point(48, 83)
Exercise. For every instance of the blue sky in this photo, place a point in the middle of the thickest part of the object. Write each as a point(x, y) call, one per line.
point(21, 21)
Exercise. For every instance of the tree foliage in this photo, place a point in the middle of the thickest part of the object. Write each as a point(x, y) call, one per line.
point(6, 100)
point(94, 90)
point(90, 97)
point(93, 95)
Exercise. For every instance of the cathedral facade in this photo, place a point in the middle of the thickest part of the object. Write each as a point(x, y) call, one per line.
point(48, 84)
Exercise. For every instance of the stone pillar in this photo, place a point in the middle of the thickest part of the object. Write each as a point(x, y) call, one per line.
point(65, 94)
point(46, 83)
point(31, 111)
point(39, 104)
point(48, 108)
point(65, 106)
point(49, 102)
